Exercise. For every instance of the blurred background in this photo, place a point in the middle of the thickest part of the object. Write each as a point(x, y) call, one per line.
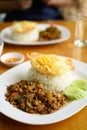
point(67, 11)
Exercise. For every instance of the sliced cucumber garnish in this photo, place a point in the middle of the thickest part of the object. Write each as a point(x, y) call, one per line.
point(82, 84)
point(74, 93)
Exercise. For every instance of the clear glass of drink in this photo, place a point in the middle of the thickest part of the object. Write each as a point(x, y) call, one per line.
point(81, 30)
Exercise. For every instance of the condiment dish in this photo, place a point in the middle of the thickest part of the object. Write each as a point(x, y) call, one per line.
point(12, 58)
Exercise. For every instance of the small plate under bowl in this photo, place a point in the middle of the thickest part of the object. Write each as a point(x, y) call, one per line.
point(11, 59)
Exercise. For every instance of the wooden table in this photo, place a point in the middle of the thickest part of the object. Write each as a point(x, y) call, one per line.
point(67, 48)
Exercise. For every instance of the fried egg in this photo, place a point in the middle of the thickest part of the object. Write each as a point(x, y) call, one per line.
point(51, 64)
point(23, 26)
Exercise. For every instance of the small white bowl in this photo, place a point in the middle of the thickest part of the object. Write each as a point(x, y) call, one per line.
point(1, 46)
point(12, 58)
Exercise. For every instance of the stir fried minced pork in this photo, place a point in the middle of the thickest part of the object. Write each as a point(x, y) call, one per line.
point(31, 97)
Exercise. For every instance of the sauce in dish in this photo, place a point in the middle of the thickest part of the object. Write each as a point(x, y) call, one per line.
point(12, 59)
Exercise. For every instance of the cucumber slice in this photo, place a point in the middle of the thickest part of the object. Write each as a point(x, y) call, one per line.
point(82, 84)
point(73, 93)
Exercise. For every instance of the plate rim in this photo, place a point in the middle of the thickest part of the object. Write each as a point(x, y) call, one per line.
point(9, 41)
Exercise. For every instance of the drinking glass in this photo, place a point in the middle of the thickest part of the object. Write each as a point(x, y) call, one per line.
point(81, 30)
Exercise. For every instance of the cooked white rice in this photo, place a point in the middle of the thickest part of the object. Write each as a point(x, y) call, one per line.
point(25, 37)
point(52, 83)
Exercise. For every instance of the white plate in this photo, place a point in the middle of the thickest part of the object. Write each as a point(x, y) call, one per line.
point(20, 72)
point(6, 32)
